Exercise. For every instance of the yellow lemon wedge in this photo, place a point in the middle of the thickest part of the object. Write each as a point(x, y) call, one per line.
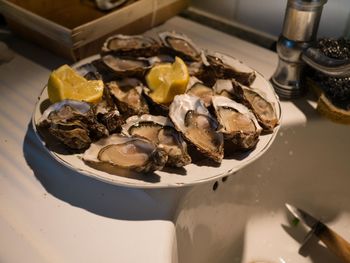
point(167, 80)
point(66, 83)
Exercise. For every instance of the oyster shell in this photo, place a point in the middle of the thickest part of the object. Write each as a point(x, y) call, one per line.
point(180, 45)
point(133, 46)
point(107, 113)
point(154, 107)
point(126, 66)
point(109, 116)
point(98, 69)
point(89, 71)
point(192, 118)
point(218, 69)
point(238, 123)
point(263, 109)
point(73, 123)
point(203, 92)
point(131, 153)
point(64, 110)
point(128, 96)
point(229, 88)
point(159, 59)
point(161, 131)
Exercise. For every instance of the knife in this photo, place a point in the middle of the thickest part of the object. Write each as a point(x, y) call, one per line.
point(334, 242)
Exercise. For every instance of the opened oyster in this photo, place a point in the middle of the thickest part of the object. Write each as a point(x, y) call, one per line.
point(126, 66)
point(133, 46)
point(180, 45)
point(262, 108)
point(89, 71)
point(109, 116)
point(131, 153)
point(161, 131)
point(253, 99)
point(197, 88)
point(238, 123)
point(107, 113)
point(194, 121)
point(73, 123)
point(229, 88)
point(219, 69)
point(128, 96)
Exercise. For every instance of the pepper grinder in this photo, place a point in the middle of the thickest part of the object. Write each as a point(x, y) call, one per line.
point(299, 32)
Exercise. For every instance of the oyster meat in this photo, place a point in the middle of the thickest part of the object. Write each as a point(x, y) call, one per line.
point(180, 45)
point(252, 98)
point(128, 96)
point(218, 69)
point(133, 46)
point(131, 153)
point(73, 123)
point(126, 66)
point(161, 131)
point(238, 123)
point(194, 121)
point(197, 88)
point(229, 88)
point(263, 109)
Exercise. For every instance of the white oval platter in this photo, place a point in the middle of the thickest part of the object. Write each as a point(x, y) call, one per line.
point(191, 174)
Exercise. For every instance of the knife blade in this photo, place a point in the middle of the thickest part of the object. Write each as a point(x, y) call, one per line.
point(333, 241)
point(306, 218)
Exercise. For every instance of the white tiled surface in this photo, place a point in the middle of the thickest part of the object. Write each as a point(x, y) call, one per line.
point(223, 8)
point(268, 15)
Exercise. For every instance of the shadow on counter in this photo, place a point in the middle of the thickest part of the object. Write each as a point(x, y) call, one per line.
point(96, 196)
point(30, 50)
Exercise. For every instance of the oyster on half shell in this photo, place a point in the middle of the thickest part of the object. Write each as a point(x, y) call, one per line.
point(133, 46)
point(197, 88)
point(161, 131)
point(219, 69)
point(238, 123)
point(109, 116)
point(194, 121)
point(127, 94)
point(229, 88)
point(107, 113)
point(125, 66)
point(262, 108)
point(73, 123)
point(180, 45)
point(131, 153)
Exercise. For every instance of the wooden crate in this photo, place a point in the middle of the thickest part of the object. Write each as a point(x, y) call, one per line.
point(75, 29)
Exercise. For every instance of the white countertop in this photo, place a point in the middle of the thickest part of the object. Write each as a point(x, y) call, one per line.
point(51, 214)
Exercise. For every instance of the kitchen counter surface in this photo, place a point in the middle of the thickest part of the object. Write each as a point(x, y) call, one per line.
point(49, 213)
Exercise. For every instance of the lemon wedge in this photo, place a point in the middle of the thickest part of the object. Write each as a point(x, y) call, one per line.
point(66, 83)
point(167, 80)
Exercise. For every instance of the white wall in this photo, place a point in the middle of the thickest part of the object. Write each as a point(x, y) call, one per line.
point(335, 19)
point(267, 15)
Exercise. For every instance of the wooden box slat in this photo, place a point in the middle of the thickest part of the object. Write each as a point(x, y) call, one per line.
point(85, 39)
